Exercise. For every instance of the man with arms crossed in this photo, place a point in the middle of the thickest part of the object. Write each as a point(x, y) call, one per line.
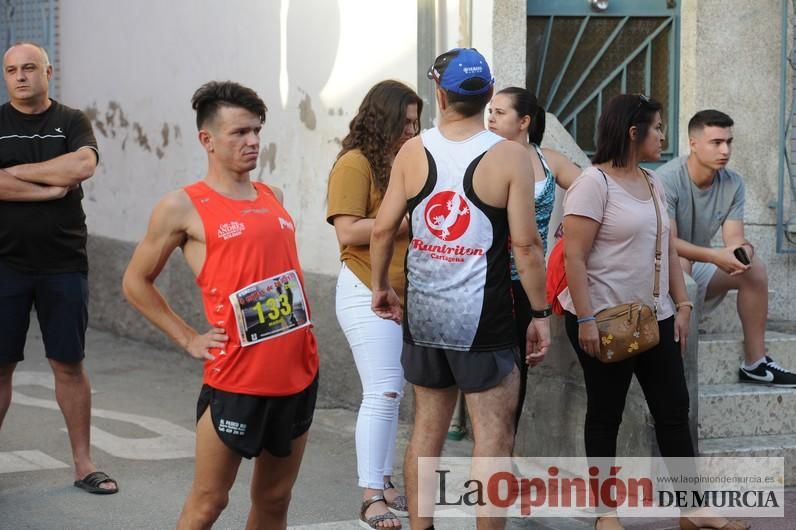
point(703, 196)
point(260, 357)
point(467, 191)
point(46, 151)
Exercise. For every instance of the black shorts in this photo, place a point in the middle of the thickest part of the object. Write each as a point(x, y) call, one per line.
point(248, 424)
point(61, 302)
point(470, 371)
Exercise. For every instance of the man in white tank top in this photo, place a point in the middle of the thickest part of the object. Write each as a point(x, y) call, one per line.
point(466, 191)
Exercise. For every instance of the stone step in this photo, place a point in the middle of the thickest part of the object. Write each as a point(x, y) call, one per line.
point(724, 318)
point(783, 445)
point(744, 409)
point(720, 355)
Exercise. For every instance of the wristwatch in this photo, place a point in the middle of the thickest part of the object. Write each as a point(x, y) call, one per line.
point(541, 313)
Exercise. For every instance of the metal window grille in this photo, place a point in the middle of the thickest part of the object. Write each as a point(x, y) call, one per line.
point(577, 59)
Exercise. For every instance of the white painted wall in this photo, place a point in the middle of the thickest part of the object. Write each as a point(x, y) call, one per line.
point(135, 65)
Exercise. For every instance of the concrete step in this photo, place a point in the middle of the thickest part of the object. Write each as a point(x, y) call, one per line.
point(720, 355)
point(782, 445)
point(724, 319)
point(744, 409)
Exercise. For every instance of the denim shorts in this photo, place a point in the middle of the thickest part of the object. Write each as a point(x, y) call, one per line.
point(702, 273)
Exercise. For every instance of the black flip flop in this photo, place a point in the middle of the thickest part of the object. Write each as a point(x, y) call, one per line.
point(91, 483)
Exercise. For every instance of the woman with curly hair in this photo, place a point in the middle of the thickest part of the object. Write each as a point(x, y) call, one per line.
point(388, 116)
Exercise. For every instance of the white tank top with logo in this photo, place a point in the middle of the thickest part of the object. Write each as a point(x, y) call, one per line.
point(458, 288)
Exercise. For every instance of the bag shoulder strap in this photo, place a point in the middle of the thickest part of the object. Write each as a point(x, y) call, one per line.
point(605, 178)
point(559, 234)
point(656, 287)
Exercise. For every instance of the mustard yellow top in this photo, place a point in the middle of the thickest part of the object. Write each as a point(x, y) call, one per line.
point(353, 192)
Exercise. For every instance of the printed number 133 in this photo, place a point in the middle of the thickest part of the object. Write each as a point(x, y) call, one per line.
point(277, 308)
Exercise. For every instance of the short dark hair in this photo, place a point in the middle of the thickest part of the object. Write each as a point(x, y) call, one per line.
point(468, 105)
point(620, 114)
point(709, 118)
point(526, 104)
point(216, 94)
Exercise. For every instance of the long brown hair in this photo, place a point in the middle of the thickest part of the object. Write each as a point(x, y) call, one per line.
point(378, 126)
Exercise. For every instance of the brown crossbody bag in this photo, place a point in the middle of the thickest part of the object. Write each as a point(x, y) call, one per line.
point(629, 329)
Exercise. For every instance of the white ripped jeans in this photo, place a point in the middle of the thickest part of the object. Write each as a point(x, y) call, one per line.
point(376, 344)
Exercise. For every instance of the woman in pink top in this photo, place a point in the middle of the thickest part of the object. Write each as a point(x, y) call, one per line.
point(610, 226)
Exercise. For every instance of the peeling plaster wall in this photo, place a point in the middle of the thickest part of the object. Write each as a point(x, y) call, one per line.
point(135, 65)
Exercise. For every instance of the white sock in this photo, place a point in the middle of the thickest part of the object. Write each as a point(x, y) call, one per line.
point(755, 364)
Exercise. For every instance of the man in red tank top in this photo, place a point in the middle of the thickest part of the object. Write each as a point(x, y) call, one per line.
point(260, 356)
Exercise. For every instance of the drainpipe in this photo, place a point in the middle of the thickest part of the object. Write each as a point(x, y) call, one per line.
point(786, 163)
point(426, 53)
point(465, 23)
point(432, 38)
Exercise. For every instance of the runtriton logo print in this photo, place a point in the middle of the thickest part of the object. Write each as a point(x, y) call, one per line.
point(447, 215)
point(230, 230)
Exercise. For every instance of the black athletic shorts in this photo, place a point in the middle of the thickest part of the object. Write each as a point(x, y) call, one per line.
point(61, 302)
point(470, 371)
point(248, 424)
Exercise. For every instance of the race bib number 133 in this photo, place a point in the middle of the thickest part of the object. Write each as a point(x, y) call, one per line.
point(269, 308)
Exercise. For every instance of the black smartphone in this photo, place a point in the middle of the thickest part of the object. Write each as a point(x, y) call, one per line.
point(742, 256)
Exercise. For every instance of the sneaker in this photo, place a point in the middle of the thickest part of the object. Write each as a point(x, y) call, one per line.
point(768, 373)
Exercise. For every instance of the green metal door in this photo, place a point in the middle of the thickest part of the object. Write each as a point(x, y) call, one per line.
point(579, 57)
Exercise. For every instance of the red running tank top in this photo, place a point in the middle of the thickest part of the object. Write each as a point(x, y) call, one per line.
point(252, 286)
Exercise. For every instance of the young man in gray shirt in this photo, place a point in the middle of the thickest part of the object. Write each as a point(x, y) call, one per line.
point(703, 196)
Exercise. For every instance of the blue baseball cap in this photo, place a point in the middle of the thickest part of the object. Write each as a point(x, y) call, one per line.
point(463, 71)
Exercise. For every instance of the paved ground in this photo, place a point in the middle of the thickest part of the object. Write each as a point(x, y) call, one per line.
point(143, 418)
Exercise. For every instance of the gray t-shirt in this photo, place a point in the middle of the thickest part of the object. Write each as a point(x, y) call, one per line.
point(700, 213)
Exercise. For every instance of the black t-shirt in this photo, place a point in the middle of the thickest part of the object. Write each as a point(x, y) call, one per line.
point(46, 236)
